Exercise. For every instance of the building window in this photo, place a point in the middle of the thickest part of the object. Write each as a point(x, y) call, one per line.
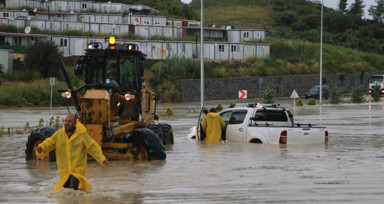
point(260, 51)
point(84, 6)
point(167, 31)
point(249, 49)
point(235, 48)
point(6, 15)
point(63, 42)
point(17, 40)
point(156, 21)
point(221, 48)
point(246, 35)
point(51, 25)
point(73, 6)
point(146, 21)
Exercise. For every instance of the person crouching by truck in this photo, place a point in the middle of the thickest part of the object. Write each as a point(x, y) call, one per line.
point(213, 126)
point(72, 144)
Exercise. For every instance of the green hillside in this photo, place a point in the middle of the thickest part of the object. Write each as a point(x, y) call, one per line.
point(293, 30)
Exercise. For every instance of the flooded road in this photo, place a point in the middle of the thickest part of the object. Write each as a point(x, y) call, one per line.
point(349, 170)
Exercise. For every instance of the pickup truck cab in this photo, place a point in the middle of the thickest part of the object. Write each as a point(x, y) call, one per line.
point(267, 125)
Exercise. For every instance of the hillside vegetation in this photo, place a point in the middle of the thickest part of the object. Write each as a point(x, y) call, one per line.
point(293, 30)
point(298, 19)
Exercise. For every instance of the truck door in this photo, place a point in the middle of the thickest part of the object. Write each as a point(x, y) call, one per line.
point(236, 127)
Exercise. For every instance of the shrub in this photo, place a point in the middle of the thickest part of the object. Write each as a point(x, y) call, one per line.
point(299, 102)
point(267, 95)
point(167, 92)
point(357, 94)
point(311, 102)
point(219, 107)
point(335, 96)
point(168, 112)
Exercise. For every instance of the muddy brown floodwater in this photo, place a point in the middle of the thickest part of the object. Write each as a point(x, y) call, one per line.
point(349, 170)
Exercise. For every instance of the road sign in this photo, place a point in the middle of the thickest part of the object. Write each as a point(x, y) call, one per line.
point(294, 94)
point(52, 81)
point(242, 94)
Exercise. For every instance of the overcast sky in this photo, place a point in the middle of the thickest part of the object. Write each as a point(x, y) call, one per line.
point(334, 4)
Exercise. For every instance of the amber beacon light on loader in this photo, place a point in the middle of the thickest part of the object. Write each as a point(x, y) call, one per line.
point(115, 105)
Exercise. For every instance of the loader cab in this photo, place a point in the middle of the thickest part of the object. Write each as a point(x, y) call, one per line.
point(120, 66)
point(124, 73)
point(115, 72)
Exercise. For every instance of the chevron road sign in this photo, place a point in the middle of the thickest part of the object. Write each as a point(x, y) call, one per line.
point(242, 94)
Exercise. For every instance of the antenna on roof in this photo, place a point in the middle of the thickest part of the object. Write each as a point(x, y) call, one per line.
point(27, 29)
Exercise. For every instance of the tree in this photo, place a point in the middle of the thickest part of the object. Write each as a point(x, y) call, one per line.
point(343, 6)
point(42, 57)
point(356, 9)
point(377, 12)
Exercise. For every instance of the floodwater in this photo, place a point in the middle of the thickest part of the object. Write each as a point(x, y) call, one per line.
point(350, 169)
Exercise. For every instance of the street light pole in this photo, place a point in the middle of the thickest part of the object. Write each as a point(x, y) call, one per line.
point(321, 56)
point(49, 17)
point(202, 54)
point(89, 22)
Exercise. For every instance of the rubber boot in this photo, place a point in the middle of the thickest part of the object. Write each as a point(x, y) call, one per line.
point(72, 182)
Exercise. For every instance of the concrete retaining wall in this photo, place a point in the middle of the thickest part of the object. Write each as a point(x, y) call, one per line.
point(227, 88)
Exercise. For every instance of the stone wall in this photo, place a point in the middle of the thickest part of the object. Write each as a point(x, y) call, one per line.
point(227, 88)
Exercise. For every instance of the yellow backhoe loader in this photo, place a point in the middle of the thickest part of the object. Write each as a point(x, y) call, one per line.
point(115, 105)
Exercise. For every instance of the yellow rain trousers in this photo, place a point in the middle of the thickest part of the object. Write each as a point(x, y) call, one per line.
point(212, 125)
point(71, 154)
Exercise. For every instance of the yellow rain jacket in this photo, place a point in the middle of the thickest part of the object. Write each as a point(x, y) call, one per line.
point(212, 125)
point(71, 154)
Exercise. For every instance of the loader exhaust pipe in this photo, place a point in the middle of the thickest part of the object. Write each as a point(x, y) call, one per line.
point(69, 84)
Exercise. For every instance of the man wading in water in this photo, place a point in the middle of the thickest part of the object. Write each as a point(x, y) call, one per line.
point(72, 144)
point(213, 125)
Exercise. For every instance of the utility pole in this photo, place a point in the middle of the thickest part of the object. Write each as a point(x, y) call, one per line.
point(47, 2)
point(321, 56)
point(202, 54)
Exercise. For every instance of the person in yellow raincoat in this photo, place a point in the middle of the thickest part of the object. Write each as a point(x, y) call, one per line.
point(212, 125)
point(72, 144)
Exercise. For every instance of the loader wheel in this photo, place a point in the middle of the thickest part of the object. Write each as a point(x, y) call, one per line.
point(167, 133)
point(146, 139)
point(36, 137)
point(139, 151)
point(157, 129)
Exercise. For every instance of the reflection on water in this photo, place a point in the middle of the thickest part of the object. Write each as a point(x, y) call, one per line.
point(348, 170)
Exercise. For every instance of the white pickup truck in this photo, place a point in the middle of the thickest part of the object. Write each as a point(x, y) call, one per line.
point(267, 125)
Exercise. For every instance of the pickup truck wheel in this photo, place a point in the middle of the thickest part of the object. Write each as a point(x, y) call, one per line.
point(256, 141)
point(146, 142)
point(167, 133)
point(36, 137)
